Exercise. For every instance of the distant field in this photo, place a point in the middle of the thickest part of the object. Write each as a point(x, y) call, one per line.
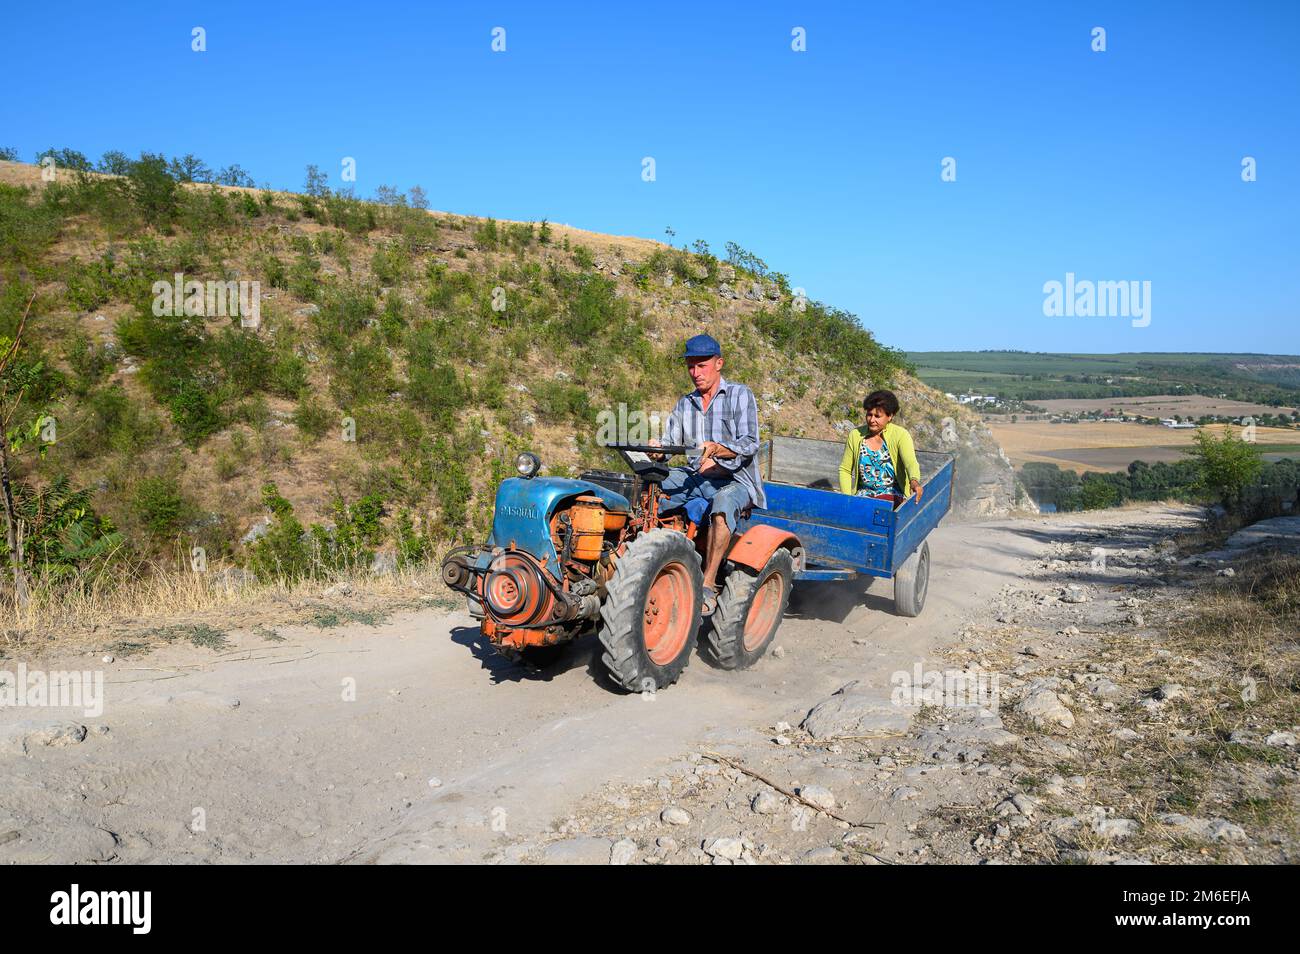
point(1164, 405)
point(1097, 446)
point(1254, 378)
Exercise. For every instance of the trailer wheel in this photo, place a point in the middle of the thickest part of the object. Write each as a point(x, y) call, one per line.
point(750, 609)
point(534, 657)
point(912, 581)
point(651, 613)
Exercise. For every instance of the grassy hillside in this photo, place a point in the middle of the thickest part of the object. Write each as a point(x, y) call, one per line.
point(402, 358)
point(1029, 376)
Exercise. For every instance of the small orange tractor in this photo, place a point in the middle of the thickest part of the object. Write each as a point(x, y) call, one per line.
point(570, 556)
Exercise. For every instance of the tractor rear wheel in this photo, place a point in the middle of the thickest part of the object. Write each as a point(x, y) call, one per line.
point(912, 582)
point(750, 609)
point(651, 614)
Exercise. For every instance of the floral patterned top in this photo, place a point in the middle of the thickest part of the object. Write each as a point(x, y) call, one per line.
point(875, 471)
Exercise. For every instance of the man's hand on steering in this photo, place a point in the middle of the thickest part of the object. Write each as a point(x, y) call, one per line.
point(656, 442)
point(714, 449)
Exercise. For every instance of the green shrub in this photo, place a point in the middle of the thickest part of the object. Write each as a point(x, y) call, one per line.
point(288, 375)
point(160, 505)
point(520, 235)
point(357, 531)
point(392, 320)
point(153, 190)
point(195, 411)
point(205, 211)
point(447, 289)
point(361, 373)
point(350, 214)
point(1226, 466)
point(390, 428)
point(304, 276)
point(345, 313)
point(486, 236)
point(281, 553)
point(436, 390)
point(414, 547)
point(312, 418)
point(833, 337)
point(452, 486)
point(90, 362)
point(558, 402)
point(27, 228)
point(94, 283)
point(273, 271)
point(244, 361)
point(14, 296)
point(120, 422)
point(390, 264)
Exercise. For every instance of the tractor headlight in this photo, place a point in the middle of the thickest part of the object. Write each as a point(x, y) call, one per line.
point(527, 464)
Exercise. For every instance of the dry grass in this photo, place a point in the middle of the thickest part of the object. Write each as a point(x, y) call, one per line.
point(148, 603)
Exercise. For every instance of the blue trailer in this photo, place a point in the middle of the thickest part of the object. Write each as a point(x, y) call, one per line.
point(843, 537)
point(601, 554)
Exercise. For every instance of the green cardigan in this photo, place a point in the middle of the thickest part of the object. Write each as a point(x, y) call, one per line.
point(901, 452)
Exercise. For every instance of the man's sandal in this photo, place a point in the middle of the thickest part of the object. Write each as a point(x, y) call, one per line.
point(710, 601)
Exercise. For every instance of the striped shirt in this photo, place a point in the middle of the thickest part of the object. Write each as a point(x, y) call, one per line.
point(732, 421)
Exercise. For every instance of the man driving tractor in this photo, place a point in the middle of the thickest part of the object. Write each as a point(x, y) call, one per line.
point(720, 417)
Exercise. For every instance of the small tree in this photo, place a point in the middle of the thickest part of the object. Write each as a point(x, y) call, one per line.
point(234, 175)
point(153, 190)
point(15, 379)
point(1226, 466)
point(190, 168)
point(114, 163)
point(387, 195)
point(317, 183)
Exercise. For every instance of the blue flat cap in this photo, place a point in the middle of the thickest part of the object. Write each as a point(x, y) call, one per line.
point(702, 346)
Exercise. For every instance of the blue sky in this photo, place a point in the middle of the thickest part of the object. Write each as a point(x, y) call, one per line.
point(1118, 165)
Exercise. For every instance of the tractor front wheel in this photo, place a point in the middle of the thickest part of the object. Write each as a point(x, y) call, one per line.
point(651, 613)
point(750, 609)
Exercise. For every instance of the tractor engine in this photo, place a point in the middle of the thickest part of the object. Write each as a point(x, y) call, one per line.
point(540, 578)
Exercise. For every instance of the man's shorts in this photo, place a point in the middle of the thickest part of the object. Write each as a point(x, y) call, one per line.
point(700, 494)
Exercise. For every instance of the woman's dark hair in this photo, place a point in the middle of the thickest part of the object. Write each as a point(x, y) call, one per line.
point(887, 401)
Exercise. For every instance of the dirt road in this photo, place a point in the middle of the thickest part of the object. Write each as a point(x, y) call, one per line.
point(413, 742)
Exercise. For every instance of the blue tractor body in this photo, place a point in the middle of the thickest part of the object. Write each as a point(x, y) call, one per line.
point(524, 507)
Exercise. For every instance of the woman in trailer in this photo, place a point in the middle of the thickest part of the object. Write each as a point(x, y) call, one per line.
point(879, 458)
